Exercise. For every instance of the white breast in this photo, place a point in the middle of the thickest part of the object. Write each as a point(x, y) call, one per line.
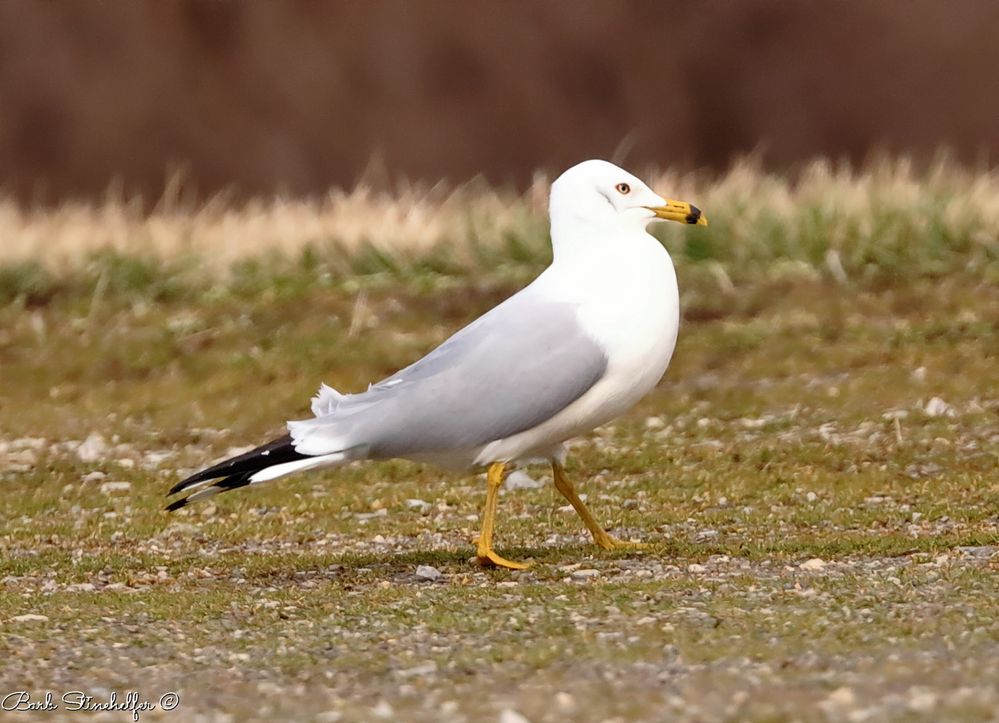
point(629, 304)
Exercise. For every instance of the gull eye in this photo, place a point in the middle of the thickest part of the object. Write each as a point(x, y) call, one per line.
point(623, 188)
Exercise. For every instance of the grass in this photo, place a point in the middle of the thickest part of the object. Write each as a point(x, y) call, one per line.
point(874, 224)
point(823, 533)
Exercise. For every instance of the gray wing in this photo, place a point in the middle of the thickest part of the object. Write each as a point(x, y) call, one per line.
point(508, 371)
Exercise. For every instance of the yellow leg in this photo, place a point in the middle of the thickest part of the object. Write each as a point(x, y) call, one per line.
point(600, 536)
point(484, 552)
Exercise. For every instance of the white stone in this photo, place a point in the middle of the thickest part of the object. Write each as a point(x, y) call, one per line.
point(25, 457)
point(520, 480)
point(109, 488)
point(155, 459)
point(426, 572)
point(922, 700)
point(840, 698)
point(427, 668)
point(92, 448)
point(35, 443)
point(937, 407)
point(29, 618)
point(814, 564)
point(508, 715)
point(383, 710)
point(565, 701)
point(585, 574)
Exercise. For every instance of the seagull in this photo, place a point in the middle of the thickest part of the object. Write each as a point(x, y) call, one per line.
point(576, 348)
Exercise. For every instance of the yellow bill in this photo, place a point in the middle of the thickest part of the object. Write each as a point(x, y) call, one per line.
point(680, 211)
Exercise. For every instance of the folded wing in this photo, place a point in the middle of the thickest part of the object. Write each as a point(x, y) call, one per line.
point(510, 370)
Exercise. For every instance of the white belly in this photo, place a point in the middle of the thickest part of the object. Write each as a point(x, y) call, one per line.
point(632, 310)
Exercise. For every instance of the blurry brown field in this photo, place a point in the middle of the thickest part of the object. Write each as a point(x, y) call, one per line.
point(302, 96)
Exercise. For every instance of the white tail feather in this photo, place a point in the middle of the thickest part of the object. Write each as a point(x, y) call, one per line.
point(326, 401)
point(299, 465)
point(200, 484)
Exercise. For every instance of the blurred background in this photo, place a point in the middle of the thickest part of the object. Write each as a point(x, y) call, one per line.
point(298, 96)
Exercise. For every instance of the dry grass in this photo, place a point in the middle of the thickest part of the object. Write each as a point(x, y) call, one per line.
point(836, 221)
point(411, 221)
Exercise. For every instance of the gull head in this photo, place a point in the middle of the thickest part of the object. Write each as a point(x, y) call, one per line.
point(599, 194)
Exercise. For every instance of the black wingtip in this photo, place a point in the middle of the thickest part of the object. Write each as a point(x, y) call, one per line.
point(176, 505)
point(203, 475)
point(178, 487)
point(274, 452)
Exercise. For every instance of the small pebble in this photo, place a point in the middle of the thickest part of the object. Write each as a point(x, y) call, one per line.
point(840, 698)
point(519, 480)
point(508, 715)
point(109, 488)
point(426, 572)
point(427, 668)
point(92, 448)
point(383, 710)
point(922, 700)
point(937, 407)
point(29, 618)
point(565, 701)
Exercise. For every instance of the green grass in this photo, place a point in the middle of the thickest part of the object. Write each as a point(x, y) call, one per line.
point(791, 425)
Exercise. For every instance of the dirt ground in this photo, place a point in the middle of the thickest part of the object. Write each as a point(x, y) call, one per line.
point(816, 477)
